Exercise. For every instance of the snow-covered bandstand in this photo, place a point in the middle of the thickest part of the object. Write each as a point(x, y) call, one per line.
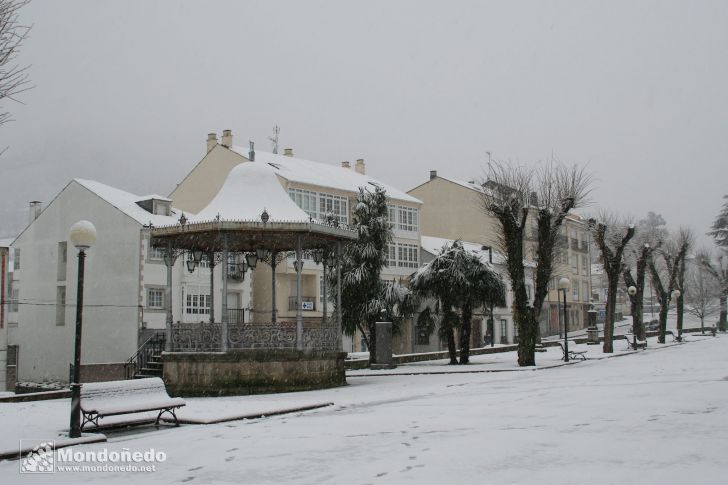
point(251, 219)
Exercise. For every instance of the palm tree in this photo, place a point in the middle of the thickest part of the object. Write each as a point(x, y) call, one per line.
point(457, 279)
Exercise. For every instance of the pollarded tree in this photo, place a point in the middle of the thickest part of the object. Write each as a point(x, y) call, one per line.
point(641, 257)
point(457, 279)
point(664, 267)
point(687, 237)
point(512, 195)
point(611, 237)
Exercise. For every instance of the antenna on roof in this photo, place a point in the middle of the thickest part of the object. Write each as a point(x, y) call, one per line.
point(274, 138)
point(251, 152)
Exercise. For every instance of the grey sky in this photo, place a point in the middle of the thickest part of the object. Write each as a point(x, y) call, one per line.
point(127, 91)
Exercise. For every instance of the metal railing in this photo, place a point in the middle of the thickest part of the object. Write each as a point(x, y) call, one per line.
point(236, 315)
point(151, 347)
point(207, 337)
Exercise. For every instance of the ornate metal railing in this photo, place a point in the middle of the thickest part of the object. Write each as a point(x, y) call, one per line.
point(207, 337)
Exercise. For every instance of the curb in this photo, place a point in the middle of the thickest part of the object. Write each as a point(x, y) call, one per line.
point(66, 442)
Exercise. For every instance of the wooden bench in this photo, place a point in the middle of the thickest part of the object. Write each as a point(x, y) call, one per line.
point(675, 337)
point(101, 399)
point(633, 343)
point(573, 354)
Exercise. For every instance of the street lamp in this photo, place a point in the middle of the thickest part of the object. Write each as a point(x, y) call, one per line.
point(564, 285)
point(83, 236)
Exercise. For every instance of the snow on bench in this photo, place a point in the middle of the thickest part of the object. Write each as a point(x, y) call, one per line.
point(633, 343)
point(100, 399)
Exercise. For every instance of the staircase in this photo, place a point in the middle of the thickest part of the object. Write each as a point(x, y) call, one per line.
point(147, 361)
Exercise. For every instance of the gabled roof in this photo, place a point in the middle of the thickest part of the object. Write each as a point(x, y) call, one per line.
point(322, 174)
point(127, 203)
point(249, 189)
point(468, 185)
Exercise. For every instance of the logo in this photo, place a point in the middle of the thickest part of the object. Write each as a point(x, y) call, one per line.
point(40, 458)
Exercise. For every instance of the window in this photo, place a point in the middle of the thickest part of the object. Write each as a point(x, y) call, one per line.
point(575, 291)
point(60, 305)
point(317, 205)
point(391, 255)
point(585, 290)
point(403, 218)
point(197, 304)
point(304, 199)
point(155, 298)
point(407, 256)
point(16, 259)
point(407, 219)
point(335, 205)
point(503, 331)
point(584, 266)
point(62, 255)
point(423, 336)
point(574, 264)
point(13, 306)
point(156, 253)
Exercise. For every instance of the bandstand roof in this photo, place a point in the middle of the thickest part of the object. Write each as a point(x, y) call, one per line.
point(233, 217)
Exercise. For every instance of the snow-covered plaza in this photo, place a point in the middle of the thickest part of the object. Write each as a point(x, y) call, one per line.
point(649, 417)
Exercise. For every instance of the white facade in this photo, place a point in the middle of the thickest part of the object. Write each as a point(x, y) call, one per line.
point(120, 272)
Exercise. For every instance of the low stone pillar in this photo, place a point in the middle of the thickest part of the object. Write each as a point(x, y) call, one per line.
point(384, 346)
point(592, 332)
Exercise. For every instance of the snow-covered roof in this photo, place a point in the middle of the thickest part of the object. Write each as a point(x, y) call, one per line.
point(6, 242)
point(127, 203)
point(469, 185)
point(249, 189)
point(433, 245)
point(155, 197)
point(320, 174)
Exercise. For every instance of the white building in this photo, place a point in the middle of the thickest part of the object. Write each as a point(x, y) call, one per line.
point(123, 289)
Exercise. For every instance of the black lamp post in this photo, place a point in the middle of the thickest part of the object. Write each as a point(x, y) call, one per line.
point(564, 285)
point(83, 236)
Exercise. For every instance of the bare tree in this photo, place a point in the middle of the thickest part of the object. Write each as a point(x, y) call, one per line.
point(687, 238)
point(664, 268)
point(513, 194)
point(718, 268)
point(611, 236)
point(14, 78)
point(640, 257)
point(701, 295)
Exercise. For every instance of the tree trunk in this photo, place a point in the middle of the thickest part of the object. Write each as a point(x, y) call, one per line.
point(638, 325)
point(452, 350)
point(723, 310)
point(527, 337)
point(608, 346)
point(680, 308)
point(664, 304)
point(465, 330)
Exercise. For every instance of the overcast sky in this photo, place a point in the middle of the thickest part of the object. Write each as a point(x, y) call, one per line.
point(127, 91)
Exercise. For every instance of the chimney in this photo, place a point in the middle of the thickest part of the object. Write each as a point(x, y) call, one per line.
point(360, 167)
point(227, 138)
point(345, 165)
point(211, 141)
point(288, 152)
point(251, 151)
point(433, 174)
point(35, 209)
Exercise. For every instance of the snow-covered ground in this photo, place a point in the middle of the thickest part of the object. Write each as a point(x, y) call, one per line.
point(652, 417)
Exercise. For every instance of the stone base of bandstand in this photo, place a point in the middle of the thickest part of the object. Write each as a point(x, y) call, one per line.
point(252, 371)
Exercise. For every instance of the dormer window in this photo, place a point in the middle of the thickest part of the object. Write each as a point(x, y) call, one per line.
point(156, 205)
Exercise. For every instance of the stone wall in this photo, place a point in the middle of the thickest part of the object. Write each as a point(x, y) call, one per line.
point(251, 371)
